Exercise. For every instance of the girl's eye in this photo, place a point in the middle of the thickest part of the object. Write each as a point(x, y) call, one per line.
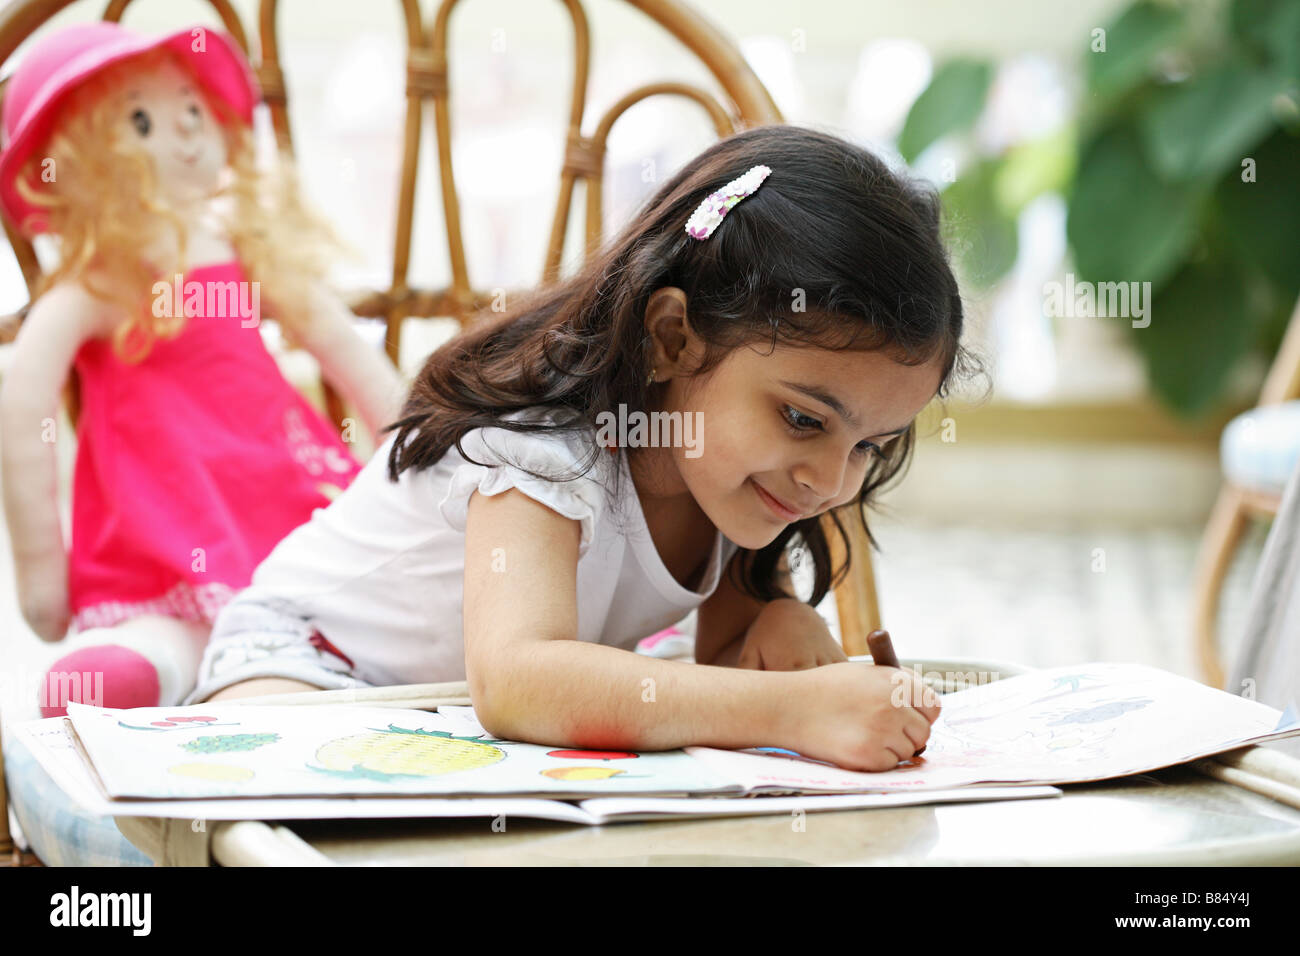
point(194, 111)
point(140, 120)
point(799, 422)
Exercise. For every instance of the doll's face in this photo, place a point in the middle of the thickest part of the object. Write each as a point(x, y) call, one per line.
point(800, 425)
point(166, 116)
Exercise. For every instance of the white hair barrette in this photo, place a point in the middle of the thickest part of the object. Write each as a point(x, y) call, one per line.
point(708, 214)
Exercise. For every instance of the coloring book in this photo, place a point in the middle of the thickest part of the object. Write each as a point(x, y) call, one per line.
point(53, 744)
point(1059, 726)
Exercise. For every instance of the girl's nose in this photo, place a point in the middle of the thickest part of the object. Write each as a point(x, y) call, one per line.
point(822, 473)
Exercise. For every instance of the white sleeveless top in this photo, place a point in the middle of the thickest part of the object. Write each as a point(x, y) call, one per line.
point(380, 571)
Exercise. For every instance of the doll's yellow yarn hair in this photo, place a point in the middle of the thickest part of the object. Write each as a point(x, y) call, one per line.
point(103, 202)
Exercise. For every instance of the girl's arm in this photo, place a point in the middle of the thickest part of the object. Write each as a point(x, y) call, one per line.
point(531, 679)
point(43, 352)
point(361, 374)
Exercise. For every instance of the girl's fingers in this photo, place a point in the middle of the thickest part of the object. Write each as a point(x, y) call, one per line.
point(922, 694)
point(917, 730)
point(748, 658)
point(901, 747)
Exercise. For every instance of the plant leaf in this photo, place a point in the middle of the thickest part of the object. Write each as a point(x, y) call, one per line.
point(1270, 28)
point(952, 102)
point(1201, 325)
point(983, 237)
point(1205, 125)
point(1030, 169)
point(1132, 41)
point(1124, 222)
point(1261, 219)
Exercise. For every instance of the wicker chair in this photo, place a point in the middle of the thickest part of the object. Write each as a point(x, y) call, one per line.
point(1242, 498)
point(743, 102)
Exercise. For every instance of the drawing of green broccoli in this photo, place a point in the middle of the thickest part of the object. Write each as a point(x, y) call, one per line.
point(228, 743)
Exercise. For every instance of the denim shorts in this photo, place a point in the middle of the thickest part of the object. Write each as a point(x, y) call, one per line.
point(269, 637)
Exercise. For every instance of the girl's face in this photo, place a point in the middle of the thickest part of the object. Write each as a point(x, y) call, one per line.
point(789, 433)
point(166, 115)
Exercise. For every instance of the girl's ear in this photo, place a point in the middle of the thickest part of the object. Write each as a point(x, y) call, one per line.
point(667, 327)
point(666, 298)
point(666, 323)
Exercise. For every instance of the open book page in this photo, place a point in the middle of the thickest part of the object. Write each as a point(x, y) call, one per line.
point(1063, 725)
point(246, 750)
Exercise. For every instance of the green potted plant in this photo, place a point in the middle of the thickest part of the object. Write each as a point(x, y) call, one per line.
point(1181, 169)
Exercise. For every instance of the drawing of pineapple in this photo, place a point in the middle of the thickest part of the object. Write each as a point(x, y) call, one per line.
point(396, 752)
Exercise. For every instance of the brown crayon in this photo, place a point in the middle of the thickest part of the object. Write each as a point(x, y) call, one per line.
point(882, 653)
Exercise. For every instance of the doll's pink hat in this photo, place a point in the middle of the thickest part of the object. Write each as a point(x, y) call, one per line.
point(60, 62)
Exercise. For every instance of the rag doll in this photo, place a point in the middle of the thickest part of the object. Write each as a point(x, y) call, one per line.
point(194, 455)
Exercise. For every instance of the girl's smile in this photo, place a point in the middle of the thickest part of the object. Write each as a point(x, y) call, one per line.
point(784, 512)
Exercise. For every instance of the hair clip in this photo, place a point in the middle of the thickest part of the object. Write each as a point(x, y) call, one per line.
point(708, 214)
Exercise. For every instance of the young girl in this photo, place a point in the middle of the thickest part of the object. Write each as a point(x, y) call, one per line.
point(194, 455)
point(785, 305)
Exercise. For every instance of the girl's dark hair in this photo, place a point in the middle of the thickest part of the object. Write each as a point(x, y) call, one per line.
point(831, 229)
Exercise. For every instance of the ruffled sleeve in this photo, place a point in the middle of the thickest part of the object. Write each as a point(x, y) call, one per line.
point(506, 456)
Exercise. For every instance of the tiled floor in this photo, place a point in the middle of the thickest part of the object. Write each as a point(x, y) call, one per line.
point(1046, 595)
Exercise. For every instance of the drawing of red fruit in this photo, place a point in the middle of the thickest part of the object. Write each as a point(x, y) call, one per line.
point(179, 723)
point(592, 754)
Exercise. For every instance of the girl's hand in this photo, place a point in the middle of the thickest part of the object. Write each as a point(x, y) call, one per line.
point(788, 635)
point(861, 716)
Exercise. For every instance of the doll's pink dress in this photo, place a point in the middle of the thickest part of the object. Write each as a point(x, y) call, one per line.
point(191, 466)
